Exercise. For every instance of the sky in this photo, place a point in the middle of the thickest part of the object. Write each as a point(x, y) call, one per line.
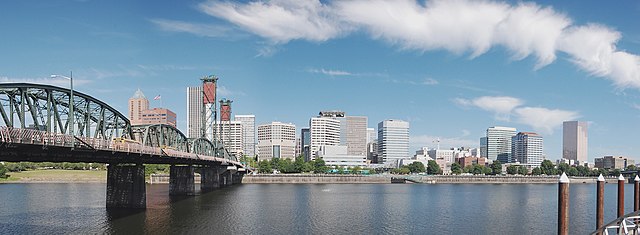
point(450, 68)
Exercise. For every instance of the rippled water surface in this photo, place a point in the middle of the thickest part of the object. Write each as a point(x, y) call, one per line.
point(305, 209)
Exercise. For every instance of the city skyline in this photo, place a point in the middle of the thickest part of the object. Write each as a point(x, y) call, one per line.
point(451, 86)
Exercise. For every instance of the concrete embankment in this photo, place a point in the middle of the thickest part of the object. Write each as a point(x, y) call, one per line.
point(385, 179)
point(314, 179)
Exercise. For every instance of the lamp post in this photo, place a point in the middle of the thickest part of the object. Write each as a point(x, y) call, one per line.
point(71, 104)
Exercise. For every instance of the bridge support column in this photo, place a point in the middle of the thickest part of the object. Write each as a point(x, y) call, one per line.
point(209, 178)
point(225, 178)
point(181, 180)
point(237, 178)
point(126, 187)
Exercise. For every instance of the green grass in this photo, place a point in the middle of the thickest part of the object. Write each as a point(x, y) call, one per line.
point(57, 176)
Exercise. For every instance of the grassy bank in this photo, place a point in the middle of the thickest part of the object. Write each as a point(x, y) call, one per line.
point(74, 176)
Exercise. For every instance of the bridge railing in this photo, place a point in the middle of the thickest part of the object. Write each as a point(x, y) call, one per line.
point(37, 137)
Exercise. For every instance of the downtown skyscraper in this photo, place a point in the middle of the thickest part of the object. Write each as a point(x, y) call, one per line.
point(498, 143)
point(527, 148)
point(194, 112)
point(248, 123)
point(393, 141)
point(575, 141)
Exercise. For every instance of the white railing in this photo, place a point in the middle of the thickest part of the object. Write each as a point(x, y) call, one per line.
point(36, 137)
point(627, 224)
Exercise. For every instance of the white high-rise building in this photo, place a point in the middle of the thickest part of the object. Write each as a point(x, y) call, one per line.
point(230, 134)
point(248, 134)
point(499, 143)
point(393, 141)
point(276, 140)
point(323, 131)
point(372, 135)
point(194, 112)
point(527, 148)
point(575, 141)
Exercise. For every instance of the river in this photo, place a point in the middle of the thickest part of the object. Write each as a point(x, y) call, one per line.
point(306, 209)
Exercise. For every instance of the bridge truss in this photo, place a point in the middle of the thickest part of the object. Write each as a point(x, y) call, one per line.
point(46, 108)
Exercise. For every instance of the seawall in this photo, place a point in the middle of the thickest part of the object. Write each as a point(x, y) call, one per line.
point(385, 179)
point(314, 179)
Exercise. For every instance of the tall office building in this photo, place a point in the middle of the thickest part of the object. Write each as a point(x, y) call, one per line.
point(230, 134)
point(137, 104)
point(305, 142)
point(323, 131)
point(483, 147)
point(355, 134)
point(393, 141)
point(194, 112)
point(140, 114)
point(248, 134)
point(276, 140)
point(499, 143)
point(575, 141)
point(353, 131)
point(372, 135)
point(527, 148)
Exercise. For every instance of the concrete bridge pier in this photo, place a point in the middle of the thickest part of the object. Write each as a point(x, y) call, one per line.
point(181, 180)
point(209, 178)
point(237, 178)
point(126, 186)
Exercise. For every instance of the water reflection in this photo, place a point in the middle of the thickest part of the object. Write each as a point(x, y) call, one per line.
point(306, 209)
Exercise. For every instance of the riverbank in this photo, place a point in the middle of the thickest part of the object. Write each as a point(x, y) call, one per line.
point(93, 176)
point(431, 179)
point(56, 176)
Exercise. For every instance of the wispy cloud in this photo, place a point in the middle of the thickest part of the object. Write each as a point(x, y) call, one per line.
point(205, 30)
point(430, 82)
point(501, 106)
point(541, 119)
point(331, 72)
point(462, 26)
point(224, 91)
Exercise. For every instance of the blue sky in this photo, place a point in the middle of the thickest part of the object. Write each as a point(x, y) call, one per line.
point(451, 68)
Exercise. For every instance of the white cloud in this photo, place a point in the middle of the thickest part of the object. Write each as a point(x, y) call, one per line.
point(224, 91)
point(458, 26)
point(542, 119)
point(280, 21)
point(501, 106)
point(430, 82)
point(331, 72)
point(205, 30)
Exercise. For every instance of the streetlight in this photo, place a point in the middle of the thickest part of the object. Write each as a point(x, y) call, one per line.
point(71, 104)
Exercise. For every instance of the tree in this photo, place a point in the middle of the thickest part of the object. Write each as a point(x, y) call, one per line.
point(512, 169)
point(547, 167)
point(402, 170)
point(307, 167)
point(572, 171)
point(456, 168)
point(486, 170)
point(582, 170)
point(468, 169)
point(416, 167)
point(319, 166)
point(433, 168)
point(298, 164)
point(356, 170)
point(264, 166)
point(562, 167)
point(478, 169)
point(536, 171)
point(496, 167)
point(523, 170)
point(631, 168)
point(3, 171)
point(614, 172)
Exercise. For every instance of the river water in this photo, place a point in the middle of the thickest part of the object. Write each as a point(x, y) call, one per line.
point(306, 209)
